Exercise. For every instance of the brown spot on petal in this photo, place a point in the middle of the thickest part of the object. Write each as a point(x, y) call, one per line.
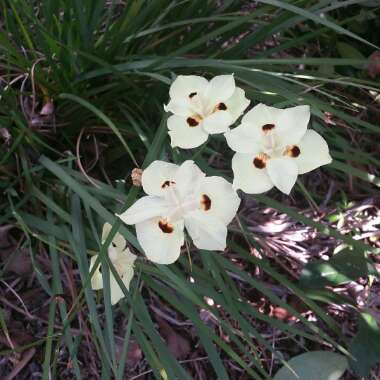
point(267, 127)
point(193, 122)
point(191, 95)
point(205, 202)
point(260, 161)
point(167, 184)
point(165, 226)
point(222, 107)
point(292, 151)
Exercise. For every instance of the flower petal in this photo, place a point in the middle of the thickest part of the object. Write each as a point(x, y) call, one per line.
point(218, 122)
point(116, 291)
point(118, 240)
point(247, 177)
point(156, 175)
point(143, 209)
point(180, 107)
point(162, 246)
point(283, 172)
point(218, 199)
point(207, 232)
point(314, 152)
point(183, 135)
point(237, 103)
point(259, 116)
point(185, 85)
point(96, 279)
point(291, 125)
point(219, 89)
point(188, 177)
point(241, 140)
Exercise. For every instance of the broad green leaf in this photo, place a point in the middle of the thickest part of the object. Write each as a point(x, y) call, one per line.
point(347, 265)
point(365, 347)
point(314, 365)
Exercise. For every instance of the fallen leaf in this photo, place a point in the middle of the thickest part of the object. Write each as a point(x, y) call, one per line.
point(177, 344)
point(374, 67)
point(17, 259)
point(134, 354)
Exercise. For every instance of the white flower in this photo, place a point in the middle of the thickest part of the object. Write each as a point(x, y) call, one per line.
point(121, 258)
point(202, 107)
point(178, 197)
point(273, 147)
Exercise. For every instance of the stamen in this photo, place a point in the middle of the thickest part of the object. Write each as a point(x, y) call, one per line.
point(193, 122)
point(191, 95)
point(292, 151)
point(165, 226)
point(205, 202)
point(167, 184)
point(260, 161)
point(267, 127)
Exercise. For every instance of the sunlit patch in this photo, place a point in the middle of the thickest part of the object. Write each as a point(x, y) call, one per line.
point(167, 184)
point(165, 226)
point(192, 94)
point(192, 121)
point(205, 202)
point(260, 161)
point(267, 127)
point(292, 151)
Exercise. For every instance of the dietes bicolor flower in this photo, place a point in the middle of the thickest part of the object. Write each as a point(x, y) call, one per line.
point(201, 107)
point(181, 197)
point(273, 147)
point(121, 258)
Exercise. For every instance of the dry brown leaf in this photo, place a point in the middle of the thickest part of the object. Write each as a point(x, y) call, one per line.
point(374, 66)
point(177, 344)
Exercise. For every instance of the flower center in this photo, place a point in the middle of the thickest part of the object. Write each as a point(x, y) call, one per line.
point(260, 161)
point(205, 202)
point(165, 226)
point(193, 121)
point(167, 183)
point(200, 109)
point(267, 127)
point(292, 151)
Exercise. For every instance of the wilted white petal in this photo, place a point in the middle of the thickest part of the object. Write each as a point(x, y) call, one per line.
point(237, 104)
point(118, 240)
point(160, 240)
point(157, 176)
point(314, 152)
point(241, 140)
point(218, 199)
point(183, 135)
point(291, 125)
point(218, 122)
point(143, 209)
point(207, 232)
point(185, 85)
point(219, 89)
point(283, 173)
point(125, 272)
point(247, 177)
point(96, 279)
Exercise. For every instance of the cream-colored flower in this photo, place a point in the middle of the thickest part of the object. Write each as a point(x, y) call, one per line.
point(178, 197)
point(201, 107)
point(122, 259)
point(273, 147)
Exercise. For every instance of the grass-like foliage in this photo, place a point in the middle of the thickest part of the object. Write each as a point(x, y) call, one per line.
point(83, 85)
